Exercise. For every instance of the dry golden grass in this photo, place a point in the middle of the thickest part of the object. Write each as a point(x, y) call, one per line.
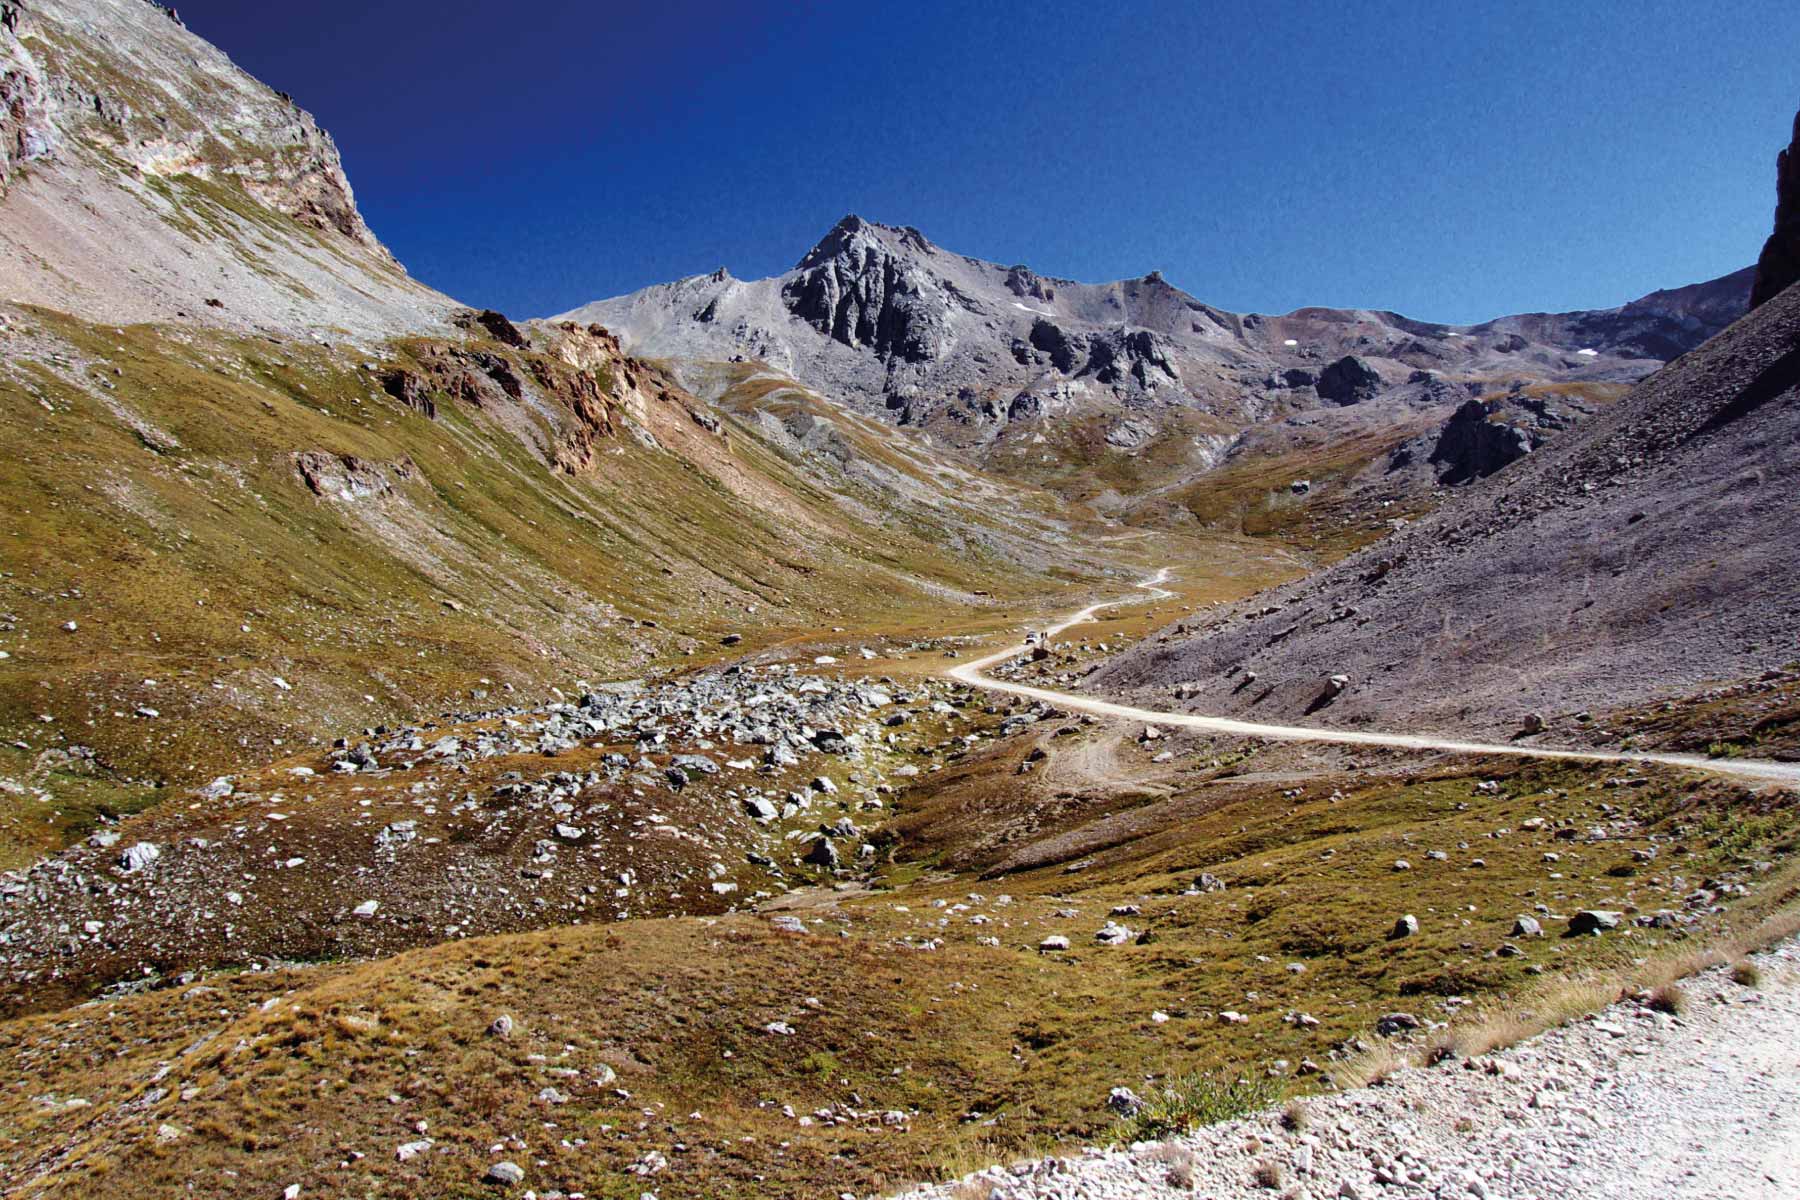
point(1772, 918)
point(1180, 1163)
point(1746, 974)
point(1370, 1067)
point(1030, 1042)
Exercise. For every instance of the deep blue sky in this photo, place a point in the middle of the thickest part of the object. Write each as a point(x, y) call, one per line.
point(1450, 164)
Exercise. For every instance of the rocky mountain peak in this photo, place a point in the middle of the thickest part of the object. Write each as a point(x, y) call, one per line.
point(864, 285)
point(853, 234)
point(1779, 265)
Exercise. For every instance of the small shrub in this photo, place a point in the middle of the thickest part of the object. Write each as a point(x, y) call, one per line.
point(1369, 1068)
point(1746, 974)
point(1190, 1101)
point(1268, 1174)
point(1181, 1163)
point(1295, 1117)
point(1464, 1125)
point(1442, 1047)
point(1669, 998)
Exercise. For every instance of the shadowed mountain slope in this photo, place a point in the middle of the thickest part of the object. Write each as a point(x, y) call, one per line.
point(1637, 559)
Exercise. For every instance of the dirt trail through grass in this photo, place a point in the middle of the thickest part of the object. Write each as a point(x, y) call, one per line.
point(972, 673)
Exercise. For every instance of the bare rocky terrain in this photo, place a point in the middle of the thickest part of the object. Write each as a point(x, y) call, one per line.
point(941, 340)
point(1628, 563)
point(1032, 372)
point(444, 754)
point(123, 136)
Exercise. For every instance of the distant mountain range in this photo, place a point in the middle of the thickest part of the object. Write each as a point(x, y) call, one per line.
point(880, 317)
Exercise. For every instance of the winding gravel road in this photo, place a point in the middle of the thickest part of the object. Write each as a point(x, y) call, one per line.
point(972, 674)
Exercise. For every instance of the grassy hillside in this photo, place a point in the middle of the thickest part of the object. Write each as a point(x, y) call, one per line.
point(905, 1033)
point(258, 546)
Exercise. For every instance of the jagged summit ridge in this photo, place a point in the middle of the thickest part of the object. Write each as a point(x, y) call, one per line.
point(883, 318)
point(854, 232)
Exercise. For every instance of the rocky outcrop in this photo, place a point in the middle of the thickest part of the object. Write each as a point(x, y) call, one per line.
point(1049, 339)
point(854, 290)
point(347, 479)
point(410, 389)
point(25, 130)
point(1023, 282)
point(1779, 264)
point(1472, 445)
point(1349, 380)
point(493, 324)
point(1137, 354)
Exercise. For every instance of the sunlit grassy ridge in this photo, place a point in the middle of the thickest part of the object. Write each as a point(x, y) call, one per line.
point(894, 1002)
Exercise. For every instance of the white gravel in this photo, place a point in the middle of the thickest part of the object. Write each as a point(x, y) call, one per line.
point(1627, 1105)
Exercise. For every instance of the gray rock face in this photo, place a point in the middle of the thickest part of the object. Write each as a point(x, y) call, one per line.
point(1349, 380)
point(1779, 264)
point(857, 291)
point(878, 317)
point(25, 131)
point(177, 120)
point(1622, 532)
point(1472, 445)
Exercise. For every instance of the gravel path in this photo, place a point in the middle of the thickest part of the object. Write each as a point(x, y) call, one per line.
point(1626, 1105)
point(972, 673)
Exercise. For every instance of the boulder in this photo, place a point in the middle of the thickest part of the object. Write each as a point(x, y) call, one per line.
point(1592, 921)
point(1473, 444)
point(505, 1174)
point(1349, 380)
point(1405, 927)
point(138, 857)
point(1390, 1024)
point(1124, 1102)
